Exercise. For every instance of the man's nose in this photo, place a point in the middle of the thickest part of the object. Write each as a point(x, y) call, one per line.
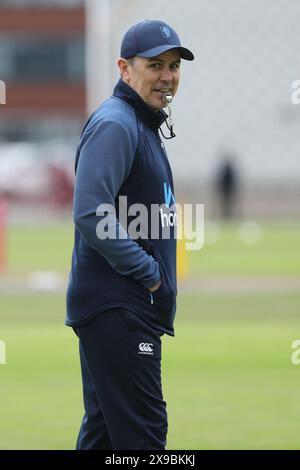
point(166, 75)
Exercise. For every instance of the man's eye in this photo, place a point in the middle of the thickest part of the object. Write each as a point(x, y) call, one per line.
point(157, 66)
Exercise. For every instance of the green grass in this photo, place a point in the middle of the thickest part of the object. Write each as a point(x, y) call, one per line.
point(40, 248)
point(227, 375)
point(276, 253)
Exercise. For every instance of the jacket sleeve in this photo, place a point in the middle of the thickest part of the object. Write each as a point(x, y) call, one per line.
point(105, 162)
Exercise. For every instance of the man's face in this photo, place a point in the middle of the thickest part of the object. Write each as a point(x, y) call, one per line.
point(150, 77)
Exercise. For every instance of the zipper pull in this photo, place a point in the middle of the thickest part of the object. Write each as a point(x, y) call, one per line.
point(151, 298)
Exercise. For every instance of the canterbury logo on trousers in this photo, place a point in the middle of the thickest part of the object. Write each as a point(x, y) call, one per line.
point(146, 348)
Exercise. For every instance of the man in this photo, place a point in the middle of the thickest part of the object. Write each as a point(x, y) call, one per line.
point(121, 296)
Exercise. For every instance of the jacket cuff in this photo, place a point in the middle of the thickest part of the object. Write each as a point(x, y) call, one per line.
point(153, 281)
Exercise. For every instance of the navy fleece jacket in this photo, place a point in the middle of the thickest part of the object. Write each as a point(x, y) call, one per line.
point(120, 154)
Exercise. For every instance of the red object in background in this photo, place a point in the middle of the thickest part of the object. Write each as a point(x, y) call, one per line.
point(61, 187)
point(3, 226)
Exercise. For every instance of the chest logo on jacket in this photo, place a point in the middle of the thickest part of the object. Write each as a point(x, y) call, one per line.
point(169, 196)
point(167, 214)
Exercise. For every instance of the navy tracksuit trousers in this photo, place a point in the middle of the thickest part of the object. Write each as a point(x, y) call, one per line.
point(120, 359)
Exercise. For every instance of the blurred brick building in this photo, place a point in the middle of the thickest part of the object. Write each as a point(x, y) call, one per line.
point(42, 62)
point(235, 98)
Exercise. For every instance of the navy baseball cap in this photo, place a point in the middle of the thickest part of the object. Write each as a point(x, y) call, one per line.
point(150, 38)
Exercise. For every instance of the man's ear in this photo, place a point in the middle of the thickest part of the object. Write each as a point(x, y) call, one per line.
point(124, 65)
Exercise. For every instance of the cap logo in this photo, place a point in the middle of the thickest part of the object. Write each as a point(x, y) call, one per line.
point(165, 31)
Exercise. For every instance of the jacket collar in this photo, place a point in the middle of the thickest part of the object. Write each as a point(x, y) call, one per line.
point(151, 118)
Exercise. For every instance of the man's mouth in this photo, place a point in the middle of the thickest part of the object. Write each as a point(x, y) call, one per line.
point(163, 90)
